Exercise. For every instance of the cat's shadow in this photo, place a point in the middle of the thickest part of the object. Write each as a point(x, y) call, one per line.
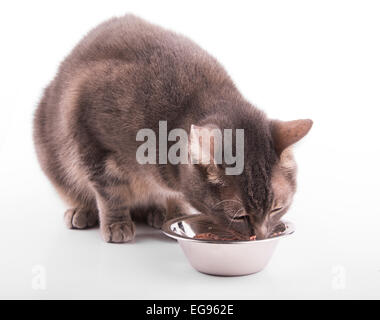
point(145, 233)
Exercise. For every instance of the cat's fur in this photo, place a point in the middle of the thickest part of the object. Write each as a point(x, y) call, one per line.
point(125, 75)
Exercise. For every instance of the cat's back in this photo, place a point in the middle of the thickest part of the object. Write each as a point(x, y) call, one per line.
point(126, 38)
point(150, 49)
point(132, 39)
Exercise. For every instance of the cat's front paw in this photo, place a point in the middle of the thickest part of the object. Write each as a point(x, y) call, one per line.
point(118, 232)
point(81, 218)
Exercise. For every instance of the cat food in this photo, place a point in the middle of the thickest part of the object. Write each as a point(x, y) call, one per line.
point(211, 236)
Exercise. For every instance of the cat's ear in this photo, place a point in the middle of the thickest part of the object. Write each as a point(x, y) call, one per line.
point(205, 144)
point(286, 133)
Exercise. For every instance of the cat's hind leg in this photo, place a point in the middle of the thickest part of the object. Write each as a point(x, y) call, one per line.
point(153, 215)
point(156, 217)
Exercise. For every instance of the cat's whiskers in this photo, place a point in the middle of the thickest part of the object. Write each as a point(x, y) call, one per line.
point(237, 198)
point(228, 200)
point(233, 217)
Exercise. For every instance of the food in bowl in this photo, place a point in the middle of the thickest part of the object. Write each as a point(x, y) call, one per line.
point(280, 229)
point(212, 236)
point(212, 251)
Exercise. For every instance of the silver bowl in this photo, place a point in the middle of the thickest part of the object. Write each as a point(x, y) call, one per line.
point(219, 257)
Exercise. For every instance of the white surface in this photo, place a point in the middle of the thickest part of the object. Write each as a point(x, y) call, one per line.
point(293, 59)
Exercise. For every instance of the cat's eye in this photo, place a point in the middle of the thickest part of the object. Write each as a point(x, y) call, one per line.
point(278, 209)
point(240, 218)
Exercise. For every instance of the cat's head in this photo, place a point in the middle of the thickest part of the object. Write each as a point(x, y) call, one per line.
point(252, 202)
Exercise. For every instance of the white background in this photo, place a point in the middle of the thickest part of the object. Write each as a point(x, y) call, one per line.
point(293, 59)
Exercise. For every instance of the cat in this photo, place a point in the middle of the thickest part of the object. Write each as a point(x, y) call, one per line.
point(125, 75)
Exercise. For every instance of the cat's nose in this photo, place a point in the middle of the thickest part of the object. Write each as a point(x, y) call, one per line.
point(261, 231)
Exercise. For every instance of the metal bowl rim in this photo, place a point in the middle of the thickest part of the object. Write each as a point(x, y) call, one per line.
point(167, 231)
